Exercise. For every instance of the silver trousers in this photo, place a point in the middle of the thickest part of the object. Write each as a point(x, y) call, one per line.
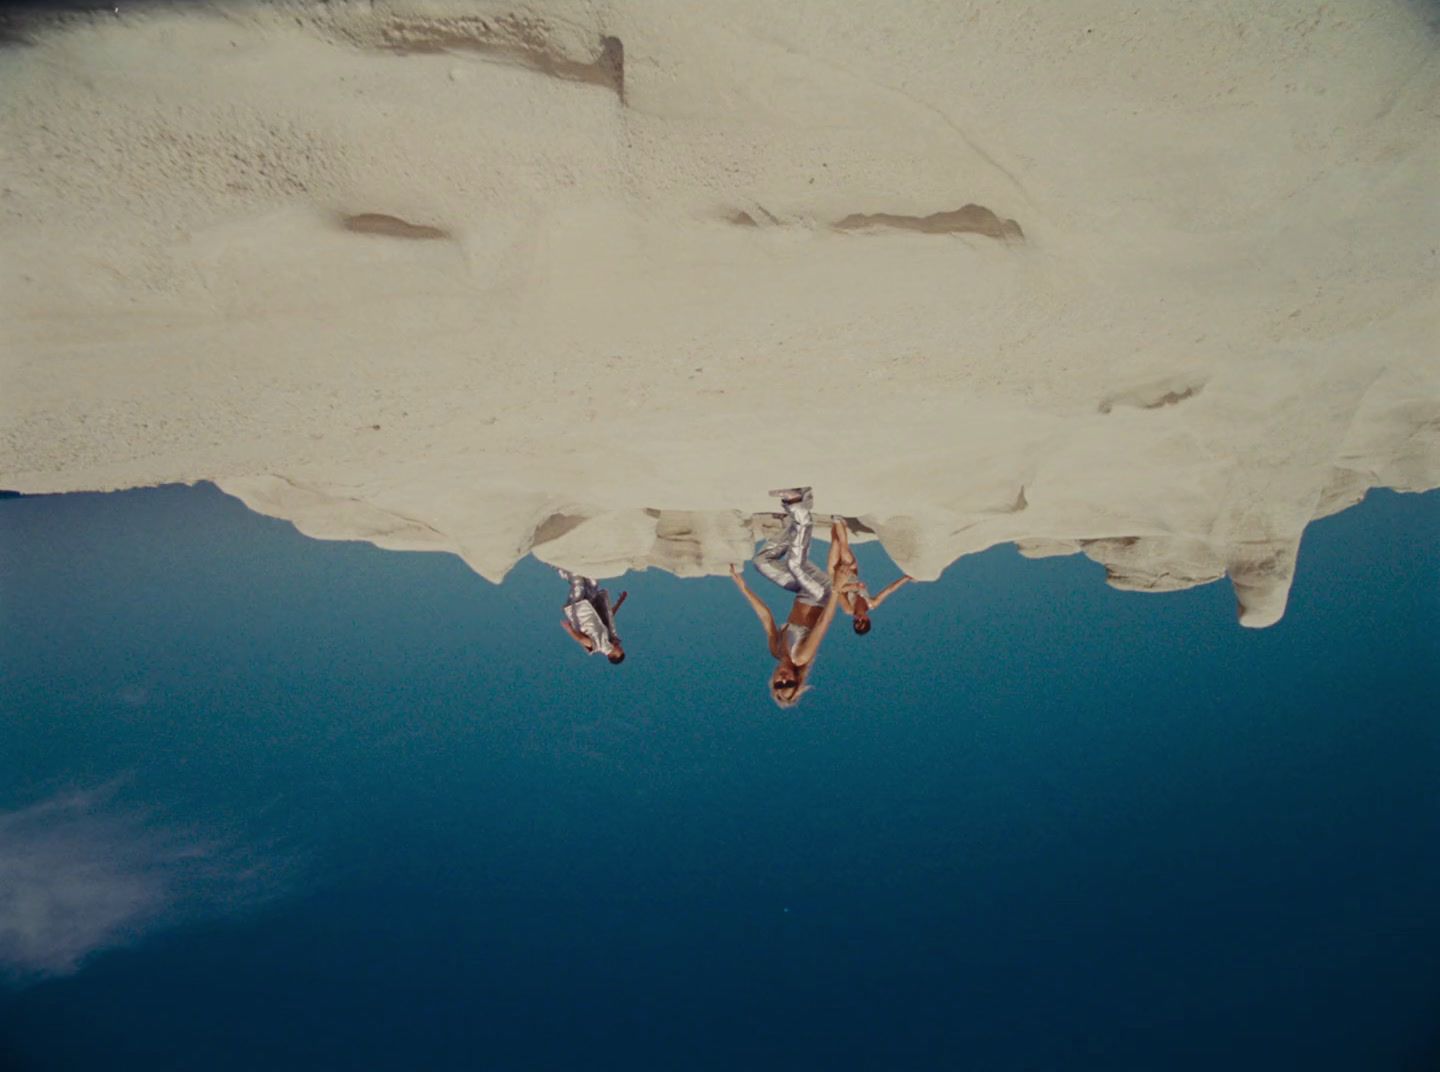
point(588, 610)
point(785, 560)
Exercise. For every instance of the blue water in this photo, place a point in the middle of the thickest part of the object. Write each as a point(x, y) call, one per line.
point(1027, 823)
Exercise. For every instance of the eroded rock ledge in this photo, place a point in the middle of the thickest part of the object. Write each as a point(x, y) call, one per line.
point(496, 278)
point(693, 543)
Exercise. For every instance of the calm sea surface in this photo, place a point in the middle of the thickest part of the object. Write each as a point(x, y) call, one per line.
point(267, 802)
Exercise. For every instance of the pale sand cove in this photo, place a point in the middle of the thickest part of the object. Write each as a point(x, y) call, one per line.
point(1158, 286)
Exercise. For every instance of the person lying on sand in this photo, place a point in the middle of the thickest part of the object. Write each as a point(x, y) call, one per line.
point(589, 618)
point(859, 602)
point(785, 561)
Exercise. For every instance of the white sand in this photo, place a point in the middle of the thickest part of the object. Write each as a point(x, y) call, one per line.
point(611, 325)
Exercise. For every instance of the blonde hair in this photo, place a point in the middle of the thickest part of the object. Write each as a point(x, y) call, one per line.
point(801, 688)
point(785, 705)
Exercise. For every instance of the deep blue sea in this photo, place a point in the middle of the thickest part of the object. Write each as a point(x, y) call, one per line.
point(273, 803)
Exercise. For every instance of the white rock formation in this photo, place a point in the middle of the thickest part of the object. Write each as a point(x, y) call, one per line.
point(1157, 284)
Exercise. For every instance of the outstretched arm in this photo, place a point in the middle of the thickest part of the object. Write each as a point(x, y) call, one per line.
point(761, 610)
point(579, 637)
point(621, 601)
point(889, 588)
point(805, 651)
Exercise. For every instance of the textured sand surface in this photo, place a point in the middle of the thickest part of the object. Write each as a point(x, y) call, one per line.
point(1158, 285)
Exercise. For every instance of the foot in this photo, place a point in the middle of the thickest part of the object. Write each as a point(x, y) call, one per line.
point(791, 495)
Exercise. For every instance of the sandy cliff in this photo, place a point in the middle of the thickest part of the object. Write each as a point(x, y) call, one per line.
point(1158, 286)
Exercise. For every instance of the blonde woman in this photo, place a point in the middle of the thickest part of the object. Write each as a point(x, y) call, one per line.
point(785, 561)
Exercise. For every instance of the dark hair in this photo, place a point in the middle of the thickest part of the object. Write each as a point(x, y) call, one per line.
point(617, 657)
point(862, 626)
